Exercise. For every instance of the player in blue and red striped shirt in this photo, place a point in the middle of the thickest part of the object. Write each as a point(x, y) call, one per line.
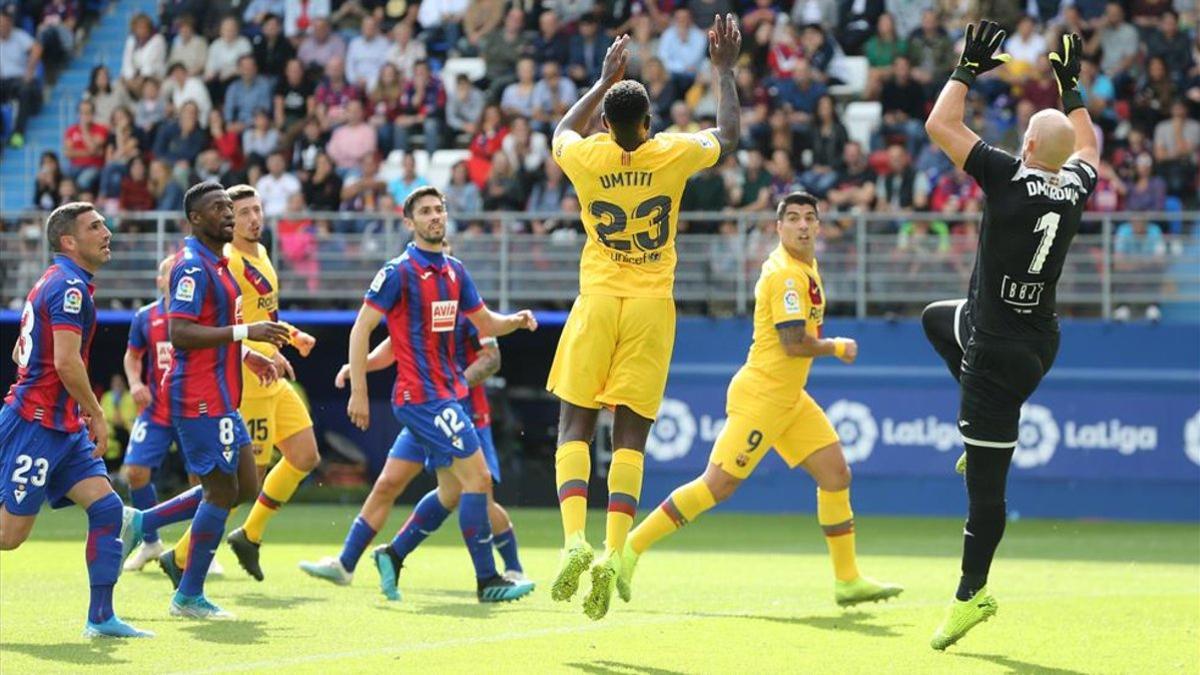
point(478, 359)
point(205, 383)
point(52, 429)
point(420, 294)
point(152, 433)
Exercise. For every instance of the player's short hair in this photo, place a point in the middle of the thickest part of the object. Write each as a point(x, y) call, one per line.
point(798, 197)
point(62, 222)
point(626, 104)
point(196, 192)
point(239, 192)
point(425, 191)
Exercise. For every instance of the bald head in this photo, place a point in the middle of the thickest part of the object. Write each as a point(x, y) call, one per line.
point(163, 280)
point(1049, 140)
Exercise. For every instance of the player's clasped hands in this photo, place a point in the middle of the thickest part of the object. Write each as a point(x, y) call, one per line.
point(268, 331)
point(613, 68)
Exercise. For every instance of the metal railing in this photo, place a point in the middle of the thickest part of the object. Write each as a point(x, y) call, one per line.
point(869, 264)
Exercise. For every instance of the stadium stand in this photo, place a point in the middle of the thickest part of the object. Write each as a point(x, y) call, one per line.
point(882, 65)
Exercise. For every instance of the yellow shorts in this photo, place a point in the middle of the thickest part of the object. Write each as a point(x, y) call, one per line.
point(615, 351)
point(271, 419)
point(754, 427)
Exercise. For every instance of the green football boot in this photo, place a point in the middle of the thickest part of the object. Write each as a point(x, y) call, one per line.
point(863, 589)
point(576, 558)
point(604, 582)
point(962, 616)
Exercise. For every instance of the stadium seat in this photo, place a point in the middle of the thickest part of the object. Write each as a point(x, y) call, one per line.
point(472, 67)
point(394, 165)
point(440, 165)
point(854, 75)
point(861, 119)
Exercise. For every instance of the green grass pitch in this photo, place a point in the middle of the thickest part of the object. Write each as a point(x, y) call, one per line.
point(732, 593)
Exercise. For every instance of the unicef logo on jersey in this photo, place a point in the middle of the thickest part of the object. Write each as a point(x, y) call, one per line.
point(1037, 438)
point(1191, 438)
point(855, 428)
point(673, 431)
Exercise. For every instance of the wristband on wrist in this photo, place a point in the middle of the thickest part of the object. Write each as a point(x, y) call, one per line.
point(240, 331)
point(964, 75)
point(839, 347)
point(1071, 99)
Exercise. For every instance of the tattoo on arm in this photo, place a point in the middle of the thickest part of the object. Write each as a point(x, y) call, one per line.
point(792, 335)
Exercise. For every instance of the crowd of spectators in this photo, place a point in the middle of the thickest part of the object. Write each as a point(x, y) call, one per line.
point(306, 99)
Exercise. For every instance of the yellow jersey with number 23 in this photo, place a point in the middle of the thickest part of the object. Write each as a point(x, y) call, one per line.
point(630, 207)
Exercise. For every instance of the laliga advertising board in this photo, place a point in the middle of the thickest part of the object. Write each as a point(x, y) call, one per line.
point(1086, 431)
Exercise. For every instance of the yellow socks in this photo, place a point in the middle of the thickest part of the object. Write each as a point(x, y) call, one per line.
point(624, 490)
point(183, 545)
point(572, 468)
point(684, 505)
point(837, 520)
point(278, 487)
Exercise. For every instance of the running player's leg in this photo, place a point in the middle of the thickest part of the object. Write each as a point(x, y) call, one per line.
point(828, 468)
point(291, 423)
point(942, 323)
point(391, 483)
point(148, 447)
point(572, 470)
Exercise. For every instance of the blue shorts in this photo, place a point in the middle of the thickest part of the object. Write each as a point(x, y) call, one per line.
point(442, 429)
point(39, 464)
point(149, 442)
point(210, 443)
point(408, 449)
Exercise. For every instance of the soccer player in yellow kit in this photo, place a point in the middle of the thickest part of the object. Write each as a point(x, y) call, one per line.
point(768, 408)
point(616, 345)
point(275, 415)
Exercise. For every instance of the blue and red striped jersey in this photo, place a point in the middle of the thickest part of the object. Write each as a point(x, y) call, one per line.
point(151, 341)
point(466, 350)
point(420, 295)
point(204, 382)
point(60, 300)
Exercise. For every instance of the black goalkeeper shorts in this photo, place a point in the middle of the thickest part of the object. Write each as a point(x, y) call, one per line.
point(998, 375)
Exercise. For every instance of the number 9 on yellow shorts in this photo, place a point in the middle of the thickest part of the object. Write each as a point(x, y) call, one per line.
point(754, 428)
point(271, 419)
point(615, 351)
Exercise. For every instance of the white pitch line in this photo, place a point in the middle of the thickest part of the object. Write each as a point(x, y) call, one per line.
point(755, 612)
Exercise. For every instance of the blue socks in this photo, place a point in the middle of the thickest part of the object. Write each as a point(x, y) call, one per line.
point(506, 545)
point(477, 533)
point(144, 499)
point(357, 540)
point(427, 516)
point(207, 529)
point(103, 554)
point(181, 507)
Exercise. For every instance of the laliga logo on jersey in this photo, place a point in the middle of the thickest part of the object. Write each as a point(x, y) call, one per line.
point(186, 290)
point(1037, 437)
point(73, 301)
point(673, 431)
point(855, 428)
point(1191, 438)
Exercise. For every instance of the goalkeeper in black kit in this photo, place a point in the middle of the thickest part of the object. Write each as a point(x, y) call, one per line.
point(1001, 340)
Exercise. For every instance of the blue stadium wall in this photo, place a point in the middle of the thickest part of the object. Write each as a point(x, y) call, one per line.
point(1113, 432)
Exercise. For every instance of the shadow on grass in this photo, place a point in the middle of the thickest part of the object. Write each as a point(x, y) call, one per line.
point(1017, 666)
point(261, 601)
point(856, 621)
point(620, 668)
point(237, 632)
point(96, 652)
